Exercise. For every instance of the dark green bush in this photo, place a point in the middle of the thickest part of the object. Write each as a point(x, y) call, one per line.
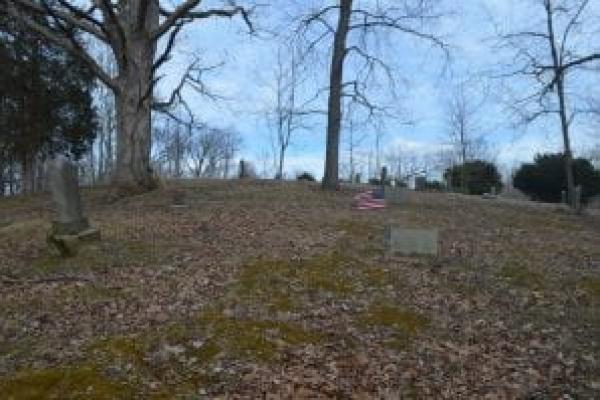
point(480, 176)
point(305, 176)
point(546, 178)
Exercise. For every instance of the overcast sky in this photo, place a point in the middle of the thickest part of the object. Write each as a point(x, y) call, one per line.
point(423, 76)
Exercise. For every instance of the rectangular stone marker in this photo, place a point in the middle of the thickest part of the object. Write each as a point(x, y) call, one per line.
point(404, 241)
point(396, 195)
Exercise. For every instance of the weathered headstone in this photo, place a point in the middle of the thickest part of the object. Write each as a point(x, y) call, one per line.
point(384, 175)
point(563, 197)
point(246, 170)
point(404, 241)
point(178, 198)
point(396, 195)
point(70, 226)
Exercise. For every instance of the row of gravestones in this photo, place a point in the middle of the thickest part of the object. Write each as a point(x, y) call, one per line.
point(71, 228)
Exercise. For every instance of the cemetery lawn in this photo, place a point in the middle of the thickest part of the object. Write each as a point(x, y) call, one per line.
point(261, 289)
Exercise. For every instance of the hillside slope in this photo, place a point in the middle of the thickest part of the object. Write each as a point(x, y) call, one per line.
point(281, 290)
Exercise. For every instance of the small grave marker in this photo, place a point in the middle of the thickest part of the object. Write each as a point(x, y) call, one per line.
point(405, 241)
point(396, 195)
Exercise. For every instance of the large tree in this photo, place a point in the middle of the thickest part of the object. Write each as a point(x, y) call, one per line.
point(353, 25)
point(45, 101)
point(132, 30)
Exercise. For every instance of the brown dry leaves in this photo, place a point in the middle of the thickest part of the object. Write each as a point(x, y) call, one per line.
point(516, 316)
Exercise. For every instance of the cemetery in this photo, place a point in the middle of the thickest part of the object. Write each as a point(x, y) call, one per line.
point(286, 291)
point(325, 199)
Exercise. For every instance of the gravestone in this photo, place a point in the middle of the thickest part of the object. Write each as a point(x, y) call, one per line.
point(70, 227)
point(396, 195)
point(384, 176)
point(246, 170)
point(405, 241)
point(178, 198)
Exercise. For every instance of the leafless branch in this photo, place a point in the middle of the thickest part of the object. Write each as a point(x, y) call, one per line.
point(186, 11)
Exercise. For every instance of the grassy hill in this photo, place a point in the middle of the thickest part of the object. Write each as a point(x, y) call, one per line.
point(266, 289)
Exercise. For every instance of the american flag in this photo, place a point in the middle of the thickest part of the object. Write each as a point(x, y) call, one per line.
point(369, 200)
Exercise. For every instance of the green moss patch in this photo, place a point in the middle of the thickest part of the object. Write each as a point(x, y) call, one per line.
point(255, 339)
point(519, 275)
point(63, 383)
point(280, 285)
point(357, 228)
point(402, 324)
point(592, 287)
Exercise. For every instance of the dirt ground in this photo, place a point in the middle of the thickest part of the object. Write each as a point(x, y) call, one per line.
point(269, 290)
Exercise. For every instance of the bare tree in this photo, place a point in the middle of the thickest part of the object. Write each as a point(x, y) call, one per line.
point(131, 29)
point(286, 114)
point(354, 140)
point(548, 55)
point(212, 151)
point(463, 127)
point(358, 23)
point(394, 159)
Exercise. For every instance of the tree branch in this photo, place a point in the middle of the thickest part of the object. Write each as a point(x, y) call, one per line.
point(185, 10)
point(64, 42)
point(75, 17)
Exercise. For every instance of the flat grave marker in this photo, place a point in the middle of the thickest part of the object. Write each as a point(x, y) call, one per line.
point(410, 242)
point(396, 196)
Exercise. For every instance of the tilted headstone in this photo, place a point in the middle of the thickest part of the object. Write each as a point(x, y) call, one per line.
point(404, 241)
point(70, 226)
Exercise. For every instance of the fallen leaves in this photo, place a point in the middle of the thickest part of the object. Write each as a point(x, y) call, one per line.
point(281, 291)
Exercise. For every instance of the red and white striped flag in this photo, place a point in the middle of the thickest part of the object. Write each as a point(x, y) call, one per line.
point(369, 200)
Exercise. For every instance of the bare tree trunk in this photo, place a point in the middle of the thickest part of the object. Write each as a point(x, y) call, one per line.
point(133, 103)
point(559, 75)
point(463, 170)
point(281, 161)
point(133, 139)
point(2, 175)
point(566, 141)
point(27, 173)
point(133, 98)
point(334, 110)
point(11, 176)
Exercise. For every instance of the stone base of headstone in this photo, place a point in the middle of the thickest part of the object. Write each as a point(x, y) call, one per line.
point(68, 238)
point(69, 228)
